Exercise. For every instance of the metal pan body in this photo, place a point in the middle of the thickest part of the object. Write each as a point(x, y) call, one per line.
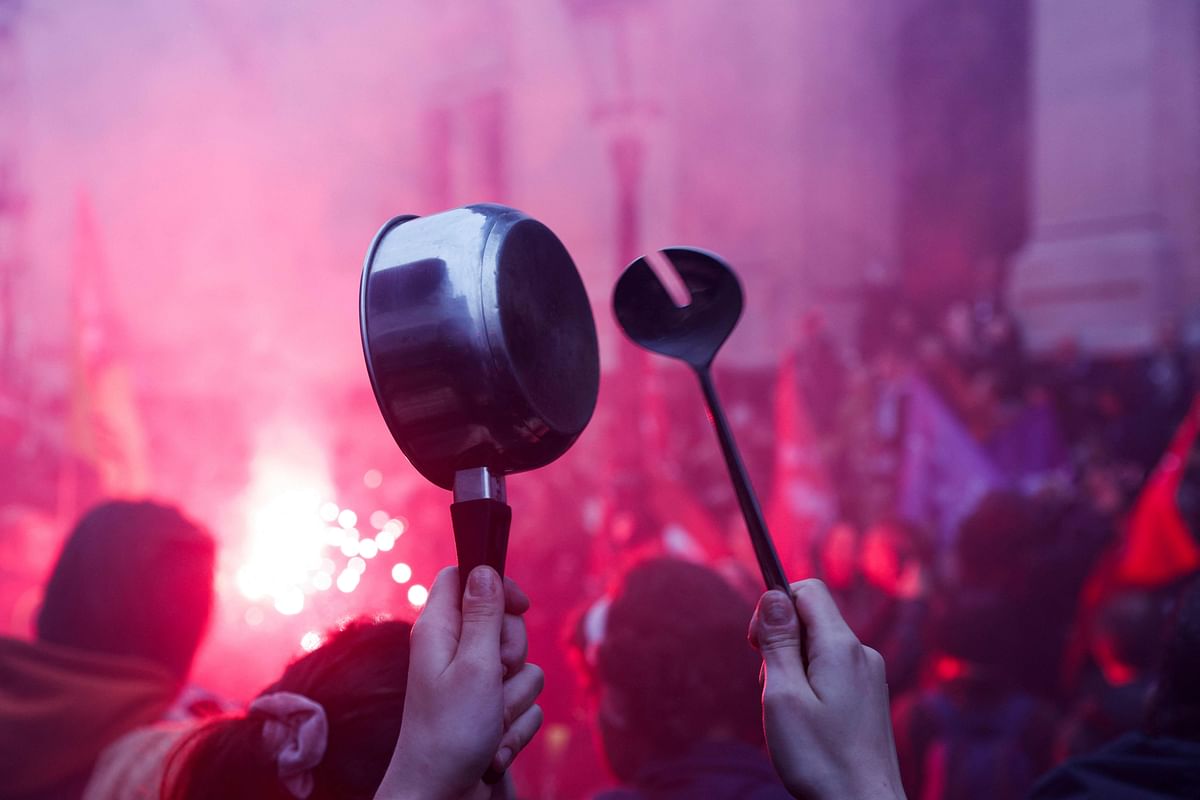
point(479, 340)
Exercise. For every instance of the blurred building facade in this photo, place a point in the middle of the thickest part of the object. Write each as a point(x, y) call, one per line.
point(1041, 151)
point(238, 161)
point(1115, 247)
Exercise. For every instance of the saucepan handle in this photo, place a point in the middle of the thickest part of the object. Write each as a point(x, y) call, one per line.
point(480, 534)
point(481, 537)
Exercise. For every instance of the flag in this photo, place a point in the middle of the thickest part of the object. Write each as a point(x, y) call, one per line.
point(105, 428)
point(944, 473)
point(802, 499)
point(1159, 547)
point(1029, 450)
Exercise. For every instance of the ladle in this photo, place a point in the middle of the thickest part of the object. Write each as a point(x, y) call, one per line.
point(693, 333)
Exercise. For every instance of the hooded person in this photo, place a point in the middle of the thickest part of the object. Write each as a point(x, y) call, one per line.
point(124, 611)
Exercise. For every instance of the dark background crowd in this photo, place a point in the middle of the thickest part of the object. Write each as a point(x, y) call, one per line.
point(1011, 533)
point(1019, 586)
point(917, 196)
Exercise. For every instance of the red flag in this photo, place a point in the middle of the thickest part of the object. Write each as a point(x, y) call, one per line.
point(1159, 547)
point(105, 429)
point(802, 499)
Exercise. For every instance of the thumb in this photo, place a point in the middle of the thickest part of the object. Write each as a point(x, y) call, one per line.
point(482, 617)
point(775, 630)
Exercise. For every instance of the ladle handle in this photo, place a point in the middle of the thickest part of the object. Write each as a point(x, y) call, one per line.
point(760, 537)
point(480, 534)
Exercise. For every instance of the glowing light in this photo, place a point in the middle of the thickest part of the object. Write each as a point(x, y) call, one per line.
point(417, 595)
point(285, 532)
point(322, 581)
point(379, 519)
point(357, 565)
point(367, 548)
point(327, 566)
point(290, 601)
point(310, 641)
point(348, 581)
point(372, 479)
point(253, 616)
point(402, 573)
point(347, 518)
point(385, 541)
point(251, 583)
point(396, 526)
point(350, 548)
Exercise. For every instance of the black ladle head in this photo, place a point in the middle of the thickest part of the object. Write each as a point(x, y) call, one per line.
point(694, 332)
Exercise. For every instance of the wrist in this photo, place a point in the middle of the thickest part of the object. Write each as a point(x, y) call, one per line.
point(877, 790)
point(405, 780)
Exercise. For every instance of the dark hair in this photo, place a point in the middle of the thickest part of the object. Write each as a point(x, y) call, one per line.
point(994, 540)
point(1175, 706)
point(359, 677)
point(675, 644)
point(133, 579)
point(978, 626)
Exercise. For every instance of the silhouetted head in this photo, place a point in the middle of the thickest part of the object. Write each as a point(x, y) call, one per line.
point(133, 579)
point(980, 629)
point(358, 677)
point(994, 541)
point(672, 667)
point(1175, 705)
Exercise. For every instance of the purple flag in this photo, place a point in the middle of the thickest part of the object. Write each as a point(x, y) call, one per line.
point(944, 472)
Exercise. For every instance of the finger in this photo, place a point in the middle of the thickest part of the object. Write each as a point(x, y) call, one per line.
point(776, 629)
point(827, 635)
point(515, 599)
point(517, 737)
point(482, 619)
point(504, 789)
point(521, 692)
point(435, 633)
point(514, 644)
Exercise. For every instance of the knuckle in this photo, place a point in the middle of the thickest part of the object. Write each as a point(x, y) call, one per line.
point(535, 724)
point(809, 585)
point(479, 612)
point(777, 696)
point(514, 653)
point(778, 643)
point(521, 735)
point(873, 658)
point(849, 648)
point(538, 677)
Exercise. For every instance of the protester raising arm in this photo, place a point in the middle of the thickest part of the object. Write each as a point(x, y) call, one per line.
point(827, 721)
point(462, 714)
